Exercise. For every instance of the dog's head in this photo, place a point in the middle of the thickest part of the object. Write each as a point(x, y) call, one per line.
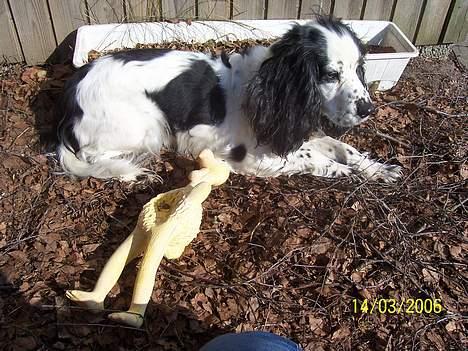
point(314, 69)
point(344, 95)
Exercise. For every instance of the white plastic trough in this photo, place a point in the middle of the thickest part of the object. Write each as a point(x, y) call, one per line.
point(382, 69)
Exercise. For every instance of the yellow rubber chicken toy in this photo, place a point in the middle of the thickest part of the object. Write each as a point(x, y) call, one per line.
point(166, 225)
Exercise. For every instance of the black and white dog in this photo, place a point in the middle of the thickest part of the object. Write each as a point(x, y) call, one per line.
point(260, 111)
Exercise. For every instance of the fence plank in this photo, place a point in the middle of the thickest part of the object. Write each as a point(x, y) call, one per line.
point(432, 22)
point(457, 29)
point(283, 9)
point(310, 8)
point(406, 16)
point(379, 10)
point(137, 10)
point(27, 27)
point(106, 11)
point(248, 9)
point(178, 8)
point(67, 16)
point(348, 9)
point(34, 28)
point(10, 49)
point(143, 10)
point(214, 9)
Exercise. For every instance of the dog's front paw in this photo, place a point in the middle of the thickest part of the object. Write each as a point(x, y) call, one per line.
point(383, 172)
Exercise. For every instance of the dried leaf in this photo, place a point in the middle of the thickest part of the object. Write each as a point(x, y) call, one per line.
point(430, 275)
point(342, 333)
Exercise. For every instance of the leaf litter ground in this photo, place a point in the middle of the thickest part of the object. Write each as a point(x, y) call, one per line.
point(286, 255)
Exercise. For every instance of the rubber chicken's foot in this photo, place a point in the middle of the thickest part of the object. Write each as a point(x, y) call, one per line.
point(86, 299)
point(129, 318)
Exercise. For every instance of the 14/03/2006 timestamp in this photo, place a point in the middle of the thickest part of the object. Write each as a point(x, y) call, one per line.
point(393, 306)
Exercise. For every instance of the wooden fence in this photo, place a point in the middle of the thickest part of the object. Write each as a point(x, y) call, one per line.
point(31, 29)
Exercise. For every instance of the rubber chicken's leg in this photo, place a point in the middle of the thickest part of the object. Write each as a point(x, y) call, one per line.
point(131, 248)
point(146, 276)
point(161, 236)
point(166, 225)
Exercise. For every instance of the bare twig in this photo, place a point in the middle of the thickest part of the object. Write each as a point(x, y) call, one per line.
point(384, 136)
point(99, 325)
point(426, 108)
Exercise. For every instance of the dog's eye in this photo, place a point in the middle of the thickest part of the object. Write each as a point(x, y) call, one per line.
point(331, 77)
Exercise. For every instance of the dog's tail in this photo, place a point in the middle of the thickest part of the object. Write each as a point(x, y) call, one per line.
point(83, 164)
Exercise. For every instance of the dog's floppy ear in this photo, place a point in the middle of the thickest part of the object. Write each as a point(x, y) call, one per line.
point(283, 100)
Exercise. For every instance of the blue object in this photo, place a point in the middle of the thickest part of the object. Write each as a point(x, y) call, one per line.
point(250, 341)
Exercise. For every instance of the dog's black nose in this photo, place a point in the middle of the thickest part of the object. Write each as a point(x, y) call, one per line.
point(364, 108)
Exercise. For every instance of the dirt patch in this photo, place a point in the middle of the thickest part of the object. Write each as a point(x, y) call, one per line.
point(376, 49)
point(287, 255)
point(216, 47)
point(212, 47)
